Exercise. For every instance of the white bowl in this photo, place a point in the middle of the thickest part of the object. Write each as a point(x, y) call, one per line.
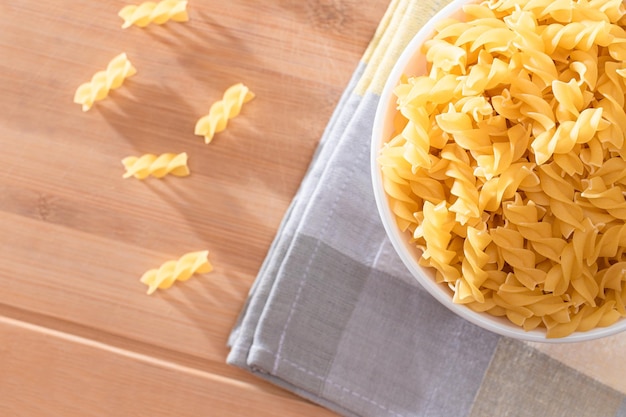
point(412, 62)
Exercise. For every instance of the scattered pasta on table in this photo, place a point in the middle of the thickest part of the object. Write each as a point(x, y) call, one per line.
point(177, 270)
point(156, 166)
point(222, 111)
point(118, 69)
point(141, 167)
point(151, 12)
point(508, 166)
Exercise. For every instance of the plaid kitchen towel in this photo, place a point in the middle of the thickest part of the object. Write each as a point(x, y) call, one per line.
point(336, 318)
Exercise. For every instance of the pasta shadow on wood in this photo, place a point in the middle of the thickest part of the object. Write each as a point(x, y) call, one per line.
point(153, 117)
point(204, 48)
point(208, 292)
point(200, 201)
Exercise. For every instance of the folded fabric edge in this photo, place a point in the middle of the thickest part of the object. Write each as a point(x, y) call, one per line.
point(295, 207)
point(304, 394)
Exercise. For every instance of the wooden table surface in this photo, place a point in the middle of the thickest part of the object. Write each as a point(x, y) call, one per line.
point(79, 336)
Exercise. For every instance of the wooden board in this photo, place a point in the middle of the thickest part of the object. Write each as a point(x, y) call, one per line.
point(78, 334)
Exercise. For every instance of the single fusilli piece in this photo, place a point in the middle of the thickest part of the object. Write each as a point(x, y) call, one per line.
point(468, 286)
point(157, 166)
point(151, 12)
point(223, 110)
point(177, 270)
point(102, 82)
point(436, 229)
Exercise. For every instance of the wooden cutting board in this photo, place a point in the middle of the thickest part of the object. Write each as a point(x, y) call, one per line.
point(78, 334)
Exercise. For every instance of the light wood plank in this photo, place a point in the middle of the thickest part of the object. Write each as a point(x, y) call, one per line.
point(55, 374)
point(78, 336)
point(80, 235)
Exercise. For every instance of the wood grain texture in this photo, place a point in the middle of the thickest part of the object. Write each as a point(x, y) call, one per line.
point(78, 335)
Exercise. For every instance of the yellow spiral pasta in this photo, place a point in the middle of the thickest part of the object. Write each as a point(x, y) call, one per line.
point(436, 229)
point(223, 110)
point(156, 166)
point(508, 161)
point(102, 82)
point(467, 287)
point(151, 12)
point(177, 270)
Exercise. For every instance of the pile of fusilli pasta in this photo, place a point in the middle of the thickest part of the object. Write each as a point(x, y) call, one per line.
point(508, 161)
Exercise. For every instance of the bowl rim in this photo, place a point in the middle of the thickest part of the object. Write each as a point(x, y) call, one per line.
point(399, 239)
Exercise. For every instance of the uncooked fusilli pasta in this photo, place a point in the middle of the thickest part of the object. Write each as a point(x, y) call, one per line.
point(102, 82)
point(508, 164)
point(156, 166)
point(223, 110)
point(177, 270)
point(151, 12)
